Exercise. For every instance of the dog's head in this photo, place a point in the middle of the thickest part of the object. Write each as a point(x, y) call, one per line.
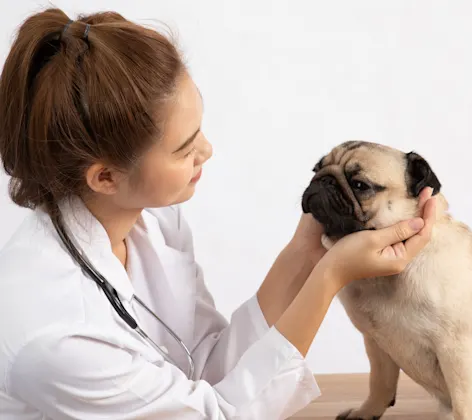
point(362, 185)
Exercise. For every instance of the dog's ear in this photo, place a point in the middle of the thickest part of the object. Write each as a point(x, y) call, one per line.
point(420, 175)
point(319, 165)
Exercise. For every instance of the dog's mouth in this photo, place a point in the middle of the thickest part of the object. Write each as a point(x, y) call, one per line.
point(331, 201)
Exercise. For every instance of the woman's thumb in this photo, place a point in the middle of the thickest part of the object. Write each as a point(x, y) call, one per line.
point(401, 231)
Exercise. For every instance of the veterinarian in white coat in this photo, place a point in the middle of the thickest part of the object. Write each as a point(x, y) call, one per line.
point(112, 173)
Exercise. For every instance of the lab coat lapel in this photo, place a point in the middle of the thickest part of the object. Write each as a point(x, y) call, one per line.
point(178, 272)
point(172, 266)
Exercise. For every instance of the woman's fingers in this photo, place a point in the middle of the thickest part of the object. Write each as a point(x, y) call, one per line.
point(398, 232)
point(429, 212)
point(384, 251)
point(425, 194)
point(415, 233)
point(417, 242)
point(403, 241)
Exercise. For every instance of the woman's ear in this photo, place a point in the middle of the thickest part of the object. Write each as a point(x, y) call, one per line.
point(420, 175)
point(103, 179)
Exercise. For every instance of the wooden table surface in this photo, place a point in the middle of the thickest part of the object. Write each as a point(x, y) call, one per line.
point(340, 392)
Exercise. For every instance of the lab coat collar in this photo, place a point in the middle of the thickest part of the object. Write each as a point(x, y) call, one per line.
point(91, 237)
point(175, 269)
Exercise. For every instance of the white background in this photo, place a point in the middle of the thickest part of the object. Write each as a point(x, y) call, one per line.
point(283, 82)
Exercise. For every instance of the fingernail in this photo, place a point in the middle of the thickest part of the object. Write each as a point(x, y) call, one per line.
point(416, 224)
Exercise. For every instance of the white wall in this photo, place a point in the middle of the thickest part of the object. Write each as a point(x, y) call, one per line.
point(283, 82)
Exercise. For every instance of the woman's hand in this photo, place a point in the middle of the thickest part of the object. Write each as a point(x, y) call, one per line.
point(291, 269)
point(381, 252)
point(307, 238)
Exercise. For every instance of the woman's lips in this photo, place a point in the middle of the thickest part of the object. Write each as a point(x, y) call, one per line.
point(196, 177)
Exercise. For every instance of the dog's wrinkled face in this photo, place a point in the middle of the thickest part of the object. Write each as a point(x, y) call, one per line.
point(361, 185)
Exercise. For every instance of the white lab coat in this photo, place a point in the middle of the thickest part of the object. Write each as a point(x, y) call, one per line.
point(66, 354)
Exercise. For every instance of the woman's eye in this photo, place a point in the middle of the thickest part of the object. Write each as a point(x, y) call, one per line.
point(360, 186)
point(190, 151)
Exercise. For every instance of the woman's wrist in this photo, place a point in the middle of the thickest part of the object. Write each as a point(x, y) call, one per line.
point(306, 251)
point(303, 317)
point(325, 278)
point(284, 280)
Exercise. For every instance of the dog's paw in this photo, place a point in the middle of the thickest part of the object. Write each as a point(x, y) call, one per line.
point(370, 410)
point(357, 415)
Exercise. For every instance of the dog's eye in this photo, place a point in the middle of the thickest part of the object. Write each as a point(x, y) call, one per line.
point(360, 186)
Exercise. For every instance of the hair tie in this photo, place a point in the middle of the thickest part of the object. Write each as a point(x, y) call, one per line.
point(66, 26)
point(87, 29)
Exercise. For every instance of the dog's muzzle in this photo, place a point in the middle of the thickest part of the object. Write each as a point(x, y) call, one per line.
point(331, 201)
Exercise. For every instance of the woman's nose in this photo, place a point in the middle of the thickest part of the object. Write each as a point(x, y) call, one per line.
point(205, 150)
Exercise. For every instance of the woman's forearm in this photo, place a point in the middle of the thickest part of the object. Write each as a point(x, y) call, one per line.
point(302, 319)
point(285, 280)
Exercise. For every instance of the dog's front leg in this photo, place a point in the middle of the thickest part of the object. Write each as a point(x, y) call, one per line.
point(444, 413)
point(383, 381)
point(455, 360)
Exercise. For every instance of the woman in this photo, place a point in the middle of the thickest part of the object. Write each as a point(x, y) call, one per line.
point(100, 133)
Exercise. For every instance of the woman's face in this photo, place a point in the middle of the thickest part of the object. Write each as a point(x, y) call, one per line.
point(169, 171)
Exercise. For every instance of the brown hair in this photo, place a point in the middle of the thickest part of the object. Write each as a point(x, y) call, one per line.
point(69, 100)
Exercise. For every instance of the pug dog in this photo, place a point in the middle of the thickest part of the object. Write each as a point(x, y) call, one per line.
point(419, 321)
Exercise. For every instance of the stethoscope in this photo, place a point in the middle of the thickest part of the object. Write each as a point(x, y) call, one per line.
point(112, 296)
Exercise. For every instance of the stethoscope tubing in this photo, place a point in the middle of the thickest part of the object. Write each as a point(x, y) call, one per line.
point(112, 295)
